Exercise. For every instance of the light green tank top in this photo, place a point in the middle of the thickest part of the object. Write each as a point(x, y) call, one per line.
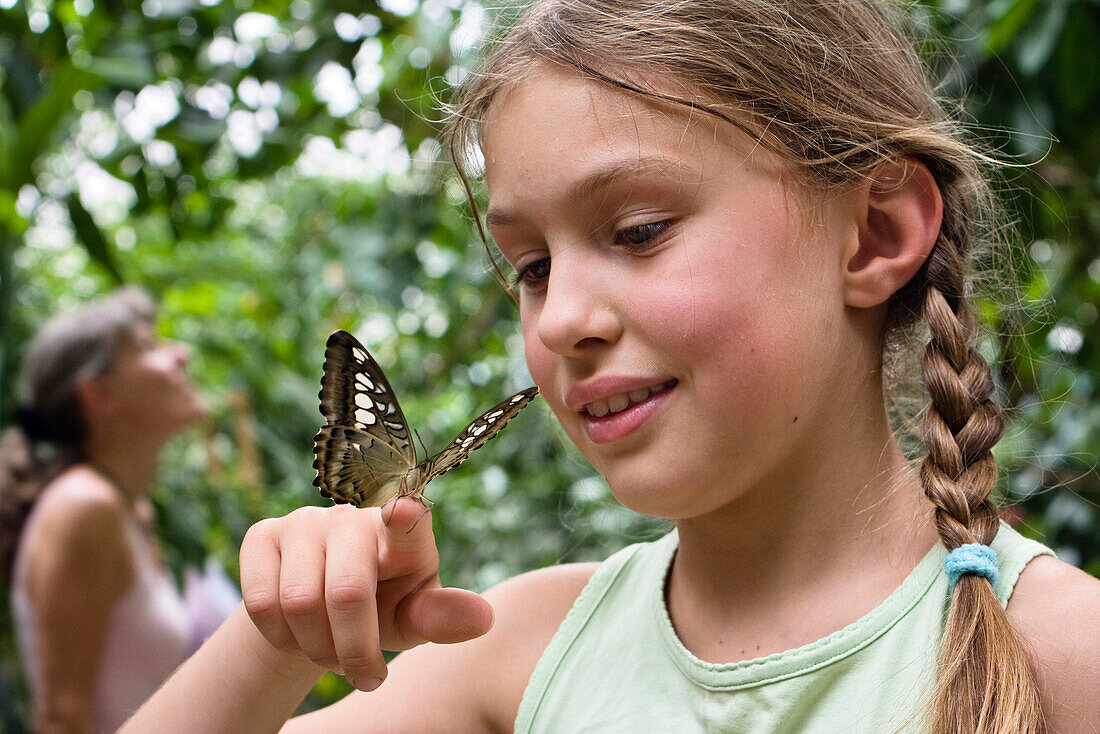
point(616, 665)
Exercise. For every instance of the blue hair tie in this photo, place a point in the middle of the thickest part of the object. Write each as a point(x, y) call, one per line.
point(976, 558)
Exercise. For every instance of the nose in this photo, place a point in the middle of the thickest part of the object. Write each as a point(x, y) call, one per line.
point(578, 310)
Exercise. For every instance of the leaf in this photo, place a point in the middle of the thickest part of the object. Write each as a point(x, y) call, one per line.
point(54, 103)
point(1040, 39)
point(1078, 60)
point(1010, 17)
point(88, 232)
point(132, 71)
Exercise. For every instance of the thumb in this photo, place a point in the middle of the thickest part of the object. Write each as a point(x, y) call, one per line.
point(444, 615)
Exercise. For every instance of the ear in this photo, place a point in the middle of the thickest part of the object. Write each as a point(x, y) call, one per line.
point(95, 396)
point(898, 215)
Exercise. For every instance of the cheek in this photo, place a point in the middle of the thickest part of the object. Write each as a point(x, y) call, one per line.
point(741, 326)
point(540, 360)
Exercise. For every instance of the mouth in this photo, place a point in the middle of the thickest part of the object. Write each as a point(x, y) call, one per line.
point(615, 417)
point(621, 401)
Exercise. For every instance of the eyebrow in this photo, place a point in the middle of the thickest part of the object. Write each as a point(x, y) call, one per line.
point(602, 178)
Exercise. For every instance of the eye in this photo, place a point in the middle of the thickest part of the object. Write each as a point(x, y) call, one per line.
point(532, 274)
point(640, 236)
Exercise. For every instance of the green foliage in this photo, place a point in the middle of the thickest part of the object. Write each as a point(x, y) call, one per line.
point(1028, 71)
point(270, 172)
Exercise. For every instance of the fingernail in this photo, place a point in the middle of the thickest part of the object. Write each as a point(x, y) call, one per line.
point(366, 684)
point(338, 669)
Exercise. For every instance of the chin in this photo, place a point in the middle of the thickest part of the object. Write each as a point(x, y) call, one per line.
point(671, 489)
point(186, 416)
point(649, 495)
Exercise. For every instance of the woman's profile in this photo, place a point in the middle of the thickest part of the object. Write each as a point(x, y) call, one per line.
point(100, 622)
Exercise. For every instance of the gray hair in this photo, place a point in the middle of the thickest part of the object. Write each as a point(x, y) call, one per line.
point(72, 347)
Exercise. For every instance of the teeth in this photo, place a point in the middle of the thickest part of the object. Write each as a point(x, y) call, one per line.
point(620, 402)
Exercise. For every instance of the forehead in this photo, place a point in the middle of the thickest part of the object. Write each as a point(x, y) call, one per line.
point(556, 123)
point(137, 337)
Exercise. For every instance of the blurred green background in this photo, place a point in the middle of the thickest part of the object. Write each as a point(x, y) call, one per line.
point(270, 171)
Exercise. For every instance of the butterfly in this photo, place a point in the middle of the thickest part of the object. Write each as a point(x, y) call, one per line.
point(365, 454)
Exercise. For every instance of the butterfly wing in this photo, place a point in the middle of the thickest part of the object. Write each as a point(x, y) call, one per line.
point(475, 435)
point(356, 468)
point(354, 392)
point(364, 449)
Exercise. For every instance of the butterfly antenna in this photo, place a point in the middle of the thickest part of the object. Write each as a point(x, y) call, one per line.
point(422, 446)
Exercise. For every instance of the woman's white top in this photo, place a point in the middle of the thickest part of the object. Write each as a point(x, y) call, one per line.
point(151, 630)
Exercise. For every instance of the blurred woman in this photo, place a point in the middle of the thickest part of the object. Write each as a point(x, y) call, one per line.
point(100, 622)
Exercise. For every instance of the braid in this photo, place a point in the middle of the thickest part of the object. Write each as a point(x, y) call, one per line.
point(986, 685)
point(962, 423)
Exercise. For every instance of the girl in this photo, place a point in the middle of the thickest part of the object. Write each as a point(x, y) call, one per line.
point(721, 214)
point(99, 620)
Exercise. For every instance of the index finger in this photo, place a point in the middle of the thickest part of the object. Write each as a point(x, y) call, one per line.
point(407, 541)
point(350, 585)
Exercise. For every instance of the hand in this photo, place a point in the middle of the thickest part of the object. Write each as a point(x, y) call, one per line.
point(338, 585)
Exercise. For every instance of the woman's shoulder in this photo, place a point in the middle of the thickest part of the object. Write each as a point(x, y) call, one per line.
point(1055, 609)
point(81, 487)
point(529, 610)
point(81, 514)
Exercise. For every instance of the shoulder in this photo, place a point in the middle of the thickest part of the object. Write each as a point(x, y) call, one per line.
point(80, 521)
point(529, 609)
point(541, 597)
point(83, 488)
point(80, 502)
point(479, 683)
point(1055, 609)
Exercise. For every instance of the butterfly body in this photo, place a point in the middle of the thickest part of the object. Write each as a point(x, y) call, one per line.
point(365, 454)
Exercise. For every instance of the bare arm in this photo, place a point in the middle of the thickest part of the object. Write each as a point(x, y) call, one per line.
point(323, 588)
point(1055, 608)
point(235, 683)
point(337, 586)
point(474, 686)
point(80, 566)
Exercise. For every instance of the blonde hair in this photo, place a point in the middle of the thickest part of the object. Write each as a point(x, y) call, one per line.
point(835, 88)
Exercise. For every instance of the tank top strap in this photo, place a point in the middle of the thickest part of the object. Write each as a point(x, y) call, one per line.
point(643, 560)
point(1014, 552)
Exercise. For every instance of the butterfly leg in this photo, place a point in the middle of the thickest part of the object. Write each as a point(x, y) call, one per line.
point(428, 505)
point(388, 508)
point(402, 491)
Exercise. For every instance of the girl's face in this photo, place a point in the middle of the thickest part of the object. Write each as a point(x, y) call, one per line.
point(149, 384)
point(682, 310)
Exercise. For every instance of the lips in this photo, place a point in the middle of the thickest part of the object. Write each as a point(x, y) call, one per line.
point(613, 416)
point(621, 401)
